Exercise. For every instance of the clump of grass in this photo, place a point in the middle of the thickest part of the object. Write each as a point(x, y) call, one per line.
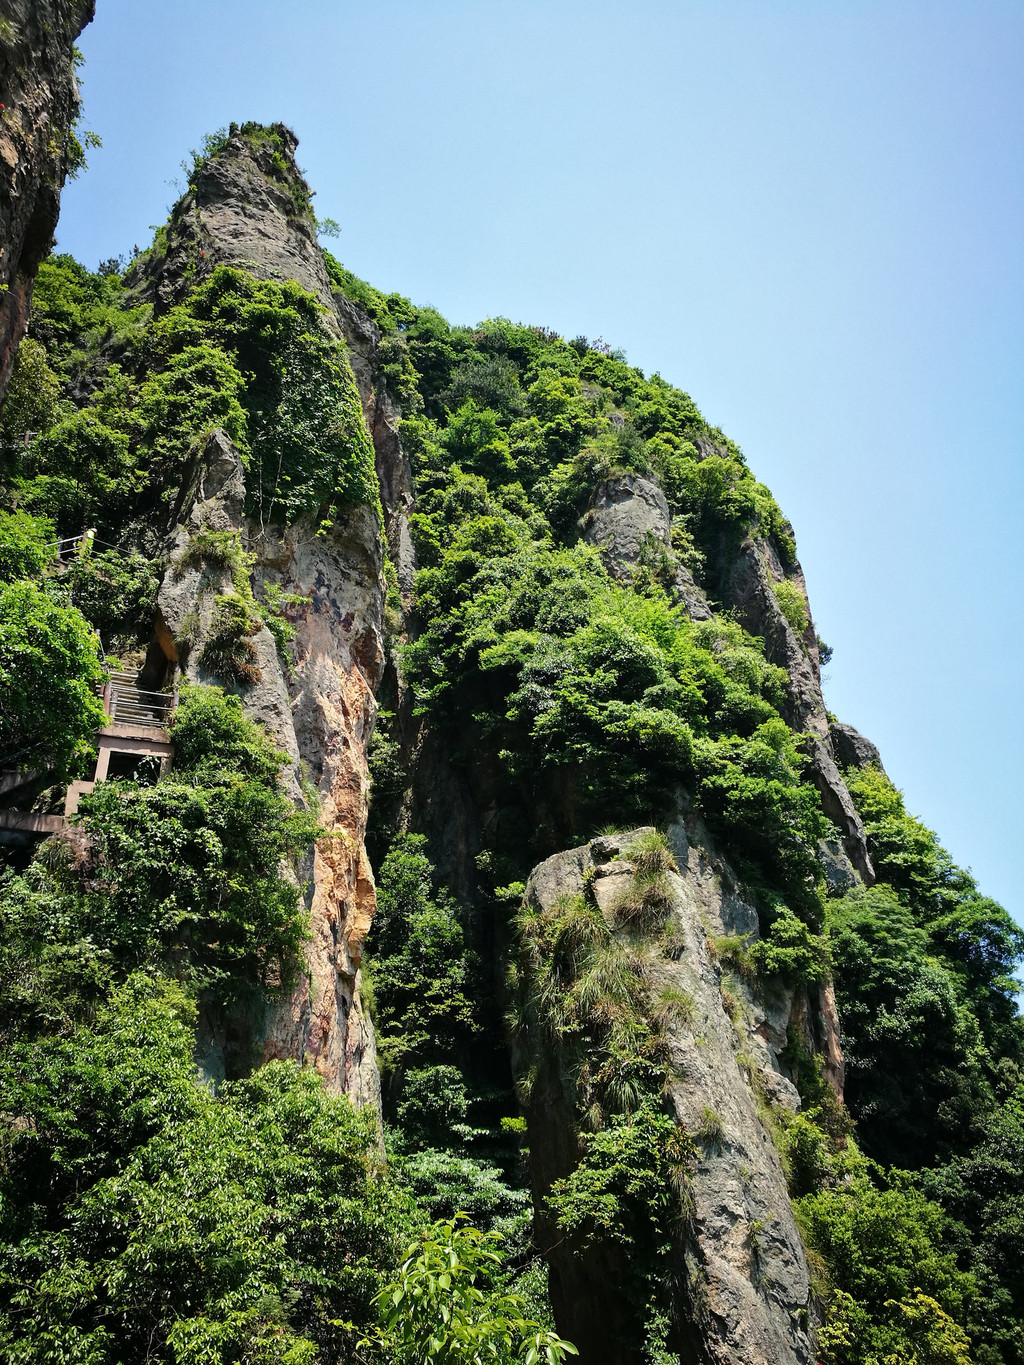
point(644, 906)
point(733, 950)
point(730, 1004)
point(710, 1131)
point(609, 985)
point(217, 549)
point(229, 652)
point(675, 1005)
point(650, 854)
point(672, 939)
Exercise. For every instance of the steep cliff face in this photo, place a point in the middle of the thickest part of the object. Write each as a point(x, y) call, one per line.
point(317, 697)
point(756, 568)
point(742, 1293)
point(40, 102)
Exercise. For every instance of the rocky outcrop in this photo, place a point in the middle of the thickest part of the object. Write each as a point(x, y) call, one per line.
point(247, 206)
point(319, 706)
point(756, 568)
point(629, 522)
point(40, 102)
point(851, 749)
point(319, 703)
point(744, 1293)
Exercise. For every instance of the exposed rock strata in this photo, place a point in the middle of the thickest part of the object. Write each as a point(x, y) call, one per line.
point(239, 210)
point(746, 1296)
point(756, 567)
point(40, 97)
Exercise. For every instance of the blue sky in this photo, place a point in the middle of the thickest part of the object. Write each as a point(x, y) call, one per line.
point(808, 215)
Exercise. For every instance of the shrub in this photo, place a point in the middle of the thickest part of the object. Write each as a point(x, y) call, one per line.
point(644, 906)
point(229, 652)
point(792, 604)
point(49, 674)
point(27, 545)
point(790, 950)
point(440, 1309)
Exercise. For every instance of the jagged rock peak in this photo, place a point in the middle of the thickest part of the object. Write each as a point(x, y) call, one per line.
point(246, 205)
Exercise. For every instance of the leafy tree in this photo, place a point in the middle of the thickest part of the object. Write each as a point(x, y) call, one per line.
point(915, 1054)
point(420, 969)
point(980, 1192)
point(49, 674)
point(897, 1295)
point(79, 471)
point(27, 545)
point(142, 1217)
point(439, 1310)
point(115, 591)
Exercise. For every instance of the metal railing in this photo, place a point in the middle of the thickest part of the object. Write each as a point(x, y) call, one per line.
point(128, 704)
point(68, 547)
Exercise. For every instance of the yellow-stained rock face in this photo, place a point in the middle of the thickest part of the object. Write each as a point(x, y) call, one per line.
point(338, 658)
point(319, 702)
point(319, 706)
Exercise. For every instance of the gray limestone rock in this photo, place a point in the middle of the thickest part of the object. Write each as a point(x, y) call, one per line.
point(627, 515)
point(851, 749)
point(745, 1285)
point(624, 512)
point(840, 876)
point(240, 210)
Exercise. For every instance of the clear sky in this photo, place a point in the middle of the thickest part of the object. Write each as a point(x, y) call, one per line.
point(808, 215)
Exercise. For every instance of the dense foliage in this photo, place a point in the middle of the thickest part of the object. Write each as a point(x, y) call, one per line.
point(250, 357)
point(571, 700)
point(145, 1217)
point(49, 668)
point(151, 1213)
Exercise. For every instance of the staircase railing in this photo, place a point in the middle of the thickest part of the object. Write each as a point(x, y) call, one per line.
point(129, 704)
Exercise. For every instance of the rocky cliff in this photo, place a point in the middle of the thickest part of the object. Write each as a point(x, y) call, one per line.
point(248, 207)
point(40, 103)
point(632, 654)
point(743, 1290)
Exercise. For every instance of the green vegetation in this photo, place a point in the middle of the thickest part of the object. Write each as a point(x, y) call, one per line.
point(441, 1310)
point(147, 1217)
point(248, 356)
point(791, 604)
point(184, 876)
point(49, 669)
point(151, 1213)
point(923, 967)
